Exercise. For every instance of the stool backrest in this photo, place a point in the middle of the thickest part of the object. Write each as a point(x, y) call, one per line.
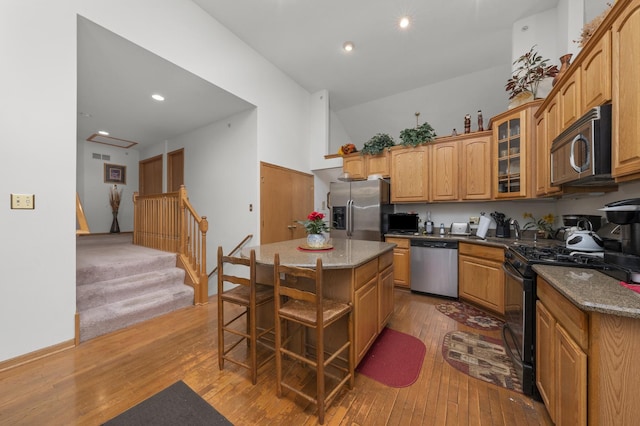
point(299, 283)
point(234, 279)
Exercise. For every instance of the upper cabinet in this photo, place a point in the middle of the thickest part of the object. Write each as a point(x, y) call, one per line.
point(547, 129)
point(626, 93)
point(513, 139)
point(475, 166)
point(595, 70)
point(410, 174)
point(444, 171)
point(361, 166)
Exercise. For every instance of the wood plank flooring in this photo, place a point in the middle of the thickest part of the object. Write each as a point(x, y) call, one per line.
point(103, 377)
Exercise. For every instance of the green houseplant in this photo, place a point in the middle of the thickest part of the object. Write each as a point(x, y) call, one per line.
point(418, 135)
point(377, 144)
point(530, 70)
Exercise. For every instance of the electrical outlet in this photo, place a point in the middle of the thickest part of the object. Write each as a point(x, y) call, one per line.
point(23, 201)
point(474, 220)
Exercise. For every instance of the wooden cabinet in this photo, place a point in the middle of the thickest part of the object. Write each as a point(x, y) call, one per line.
point(361, 166)
point(595, 68)
point(626, 93)
point(475, 167)
point(378, 164)
point(444, 171)
point(546, 131)
point(401, 261)
point(569, 97)
point(480, 275)
point(372, 300)
point(385, 289)
point(513, 138)
point(409, 174)
point(561, 360)
point(366, 325)
point(354, 165)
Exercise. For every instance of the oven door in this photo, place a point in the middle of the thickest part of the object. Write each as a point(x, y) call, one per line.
point(514, 307)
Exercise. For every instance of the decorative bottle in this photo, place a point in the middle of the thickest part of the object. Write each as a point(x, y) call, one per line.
point(480, 121)
point(467, 123)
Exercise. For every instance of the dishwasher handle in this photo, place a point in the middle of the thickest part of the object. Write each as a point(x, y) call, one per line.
point(436, 244)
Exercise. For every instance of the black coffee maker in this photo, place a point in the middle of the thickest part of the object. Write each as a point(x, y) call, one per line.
point(625, 213)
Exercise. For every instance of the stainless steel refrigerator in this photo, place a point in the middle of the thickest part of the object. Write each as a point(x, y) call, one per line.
point(359, 209)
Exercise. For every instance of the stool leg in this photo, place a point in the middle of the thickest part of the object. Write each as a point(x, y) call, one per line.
point(278, 343)
point(220, 333)
point(320, 372)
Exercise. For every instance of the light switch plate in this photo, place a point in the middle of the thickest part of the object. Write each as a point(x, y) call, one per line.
point(23, 201)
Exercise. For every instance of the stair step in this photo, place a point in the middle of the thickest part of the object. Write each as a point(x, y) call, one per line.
point(125, 267)
point(114, 316)
point(109, 291)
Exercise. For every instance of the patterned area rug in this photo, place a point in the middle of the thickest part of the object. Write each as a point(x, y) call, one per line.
point(481, 357)
point(470, 315)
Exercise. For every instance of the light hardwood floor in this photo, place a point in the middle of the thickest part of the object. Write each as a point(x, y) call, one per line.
point(103, 377)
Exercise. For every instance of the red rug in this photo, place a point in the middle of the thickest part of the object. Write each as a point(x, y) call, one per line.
point(395, 359)
point(470, 315)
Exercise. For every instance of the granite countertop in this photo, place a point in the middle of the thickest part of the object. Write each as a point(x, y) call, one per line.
point(591, 290)
point(344, 254)
point(489, 241)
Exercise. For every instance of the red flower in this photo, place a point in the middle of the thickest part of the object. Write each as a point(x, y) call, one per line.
point(315, 216)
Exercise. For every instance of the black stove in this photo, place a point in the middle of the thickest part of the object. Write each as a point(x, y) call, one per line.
point(522, 257)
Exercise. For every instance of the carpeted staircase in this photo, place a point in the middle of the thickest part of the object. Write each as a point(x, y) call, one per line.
point(119, 284)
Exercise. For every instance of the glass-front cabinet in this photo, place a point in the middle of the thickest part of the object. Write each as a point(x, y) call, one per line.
point(509, 150)
point(513, 166)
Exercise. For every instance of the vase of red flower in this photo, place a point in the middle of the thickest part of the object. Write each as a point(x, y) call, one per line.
point(315, 226)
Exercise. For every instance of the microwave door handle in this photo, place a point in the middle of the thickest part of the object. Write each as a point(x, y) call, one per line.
point(572, 156)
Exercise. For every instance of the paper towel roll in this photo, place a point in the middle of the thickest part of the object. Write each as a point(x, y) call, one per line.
point(483, 227)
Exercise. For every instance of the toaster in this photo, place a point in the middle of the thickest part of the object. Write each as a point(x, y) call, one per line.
point(460, 228)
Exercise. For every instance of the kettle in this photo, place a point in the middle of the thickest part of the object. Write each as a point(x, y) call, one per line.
point(584, 240)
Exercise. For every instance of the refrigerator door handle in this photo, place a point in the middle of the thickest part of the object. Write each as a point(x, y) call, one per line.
point(349, 218)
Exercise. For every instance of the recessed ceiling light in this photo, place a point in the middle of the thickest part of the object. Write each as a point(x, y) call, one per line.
point(103, 132)
point(348, 46)
point(157, 97)
point(404, 22)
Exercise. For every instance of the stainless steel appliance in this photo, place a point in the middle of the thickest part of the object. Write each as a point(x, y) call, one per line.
point(434, 267)
point(359, 209)
point(581, 155)
point(402, 223)
point(625, 213)
point(520, 297)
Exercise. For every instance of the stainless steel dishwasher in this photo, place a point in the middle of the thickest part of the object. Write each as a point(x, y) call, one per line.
point(434, 267)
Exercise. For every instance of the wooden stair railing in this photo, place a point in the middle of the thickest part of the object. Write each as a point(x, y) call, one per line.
point(232, 252)
point(82, 227)
point(169, 222)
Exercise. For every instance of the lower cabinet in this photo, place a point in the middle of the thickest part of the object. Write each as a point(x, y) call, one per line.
point(480, 275)
point(561, 360)
point(401, 261)
point(366, 330)
point(385, 297)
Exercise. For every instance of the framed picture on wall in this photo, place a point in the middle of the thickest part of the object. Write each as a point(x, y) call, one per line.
point(115, 174)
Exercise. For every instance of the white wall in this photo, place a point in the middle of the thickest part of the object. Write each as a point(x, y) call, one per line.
point(443, 105)
point(220, 177)
point(38, 113)
point(94, 192)
point(37, 117)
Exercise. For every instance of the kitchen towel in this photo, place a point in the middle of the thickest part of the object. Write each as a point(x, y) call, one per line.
point(483, 227)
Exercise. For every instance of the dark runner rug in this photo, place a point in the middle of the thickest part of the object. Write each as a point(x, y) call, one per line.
point(175, 405)
point(395, 359)
point(481, 357)
point(470, 315)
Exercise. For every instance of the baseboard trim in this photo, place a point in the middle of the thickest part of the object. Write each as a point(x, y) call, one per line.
point(33, 356)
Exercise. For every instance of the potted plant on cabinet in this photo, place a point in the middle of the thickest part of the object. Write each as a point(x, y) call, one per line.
point(418, 135)
point(377, 144)
point(530, 70)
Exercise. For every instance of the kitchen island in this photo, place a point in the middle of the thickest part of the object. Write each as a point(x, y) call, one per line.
point(356, 271)
point(588, 340)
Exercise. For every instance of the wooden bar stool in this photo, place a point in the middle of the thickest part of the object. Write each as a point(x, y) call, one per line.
point(249, 296)
point(299, 306)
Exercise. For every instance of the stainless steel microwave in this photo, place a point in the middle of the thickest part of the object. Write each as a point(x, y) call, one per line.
point(581, 155)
